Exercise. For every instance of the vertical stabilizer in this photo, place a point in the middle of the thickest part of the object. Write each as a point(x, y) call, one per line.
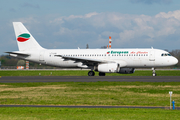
point(25, 40)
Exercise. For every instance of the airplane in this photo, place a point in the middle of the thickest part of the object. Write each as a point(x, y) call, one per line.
point(122, 61)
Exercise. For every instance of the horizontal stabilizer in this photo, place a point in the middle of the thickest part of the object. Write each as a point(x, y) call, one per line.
point(20, 54)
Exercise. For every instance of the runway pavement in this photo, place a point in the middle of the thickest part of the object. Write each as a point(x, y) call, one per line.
point(25, 79)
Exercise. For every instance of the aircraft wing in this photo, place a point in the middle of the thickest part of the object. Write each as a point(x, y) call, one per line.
point(85, 61)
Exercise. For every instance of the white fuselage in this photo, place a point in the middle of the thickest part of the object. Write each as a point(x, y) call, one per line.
point(125, 57)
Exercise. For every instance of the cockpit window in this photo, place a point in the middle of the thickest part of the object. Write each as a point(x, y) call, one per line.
point(165, 54)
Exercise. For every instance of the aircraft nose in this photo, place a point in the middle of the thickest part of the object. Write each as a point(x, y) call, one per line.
point(175, 61)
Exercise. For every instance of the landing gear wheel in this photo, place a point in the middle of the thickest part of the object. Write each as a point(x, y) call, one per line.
point(101, 74)
point(91, 73)
point(154, 72)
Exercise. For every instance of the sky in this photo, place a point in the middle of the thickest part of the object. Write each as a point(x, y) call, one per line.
point(69, 24)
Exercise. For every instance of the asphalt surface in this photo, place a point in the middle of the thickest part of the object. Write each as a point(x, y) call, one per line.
point(25, 79)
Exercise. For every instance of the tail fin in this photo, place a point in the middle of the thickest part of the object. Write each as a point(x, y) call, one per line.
point(25, 40)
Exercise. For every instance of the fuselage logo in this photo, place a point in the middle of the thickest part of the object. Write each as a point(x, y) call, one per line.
point(117, 52)
point(23, 37)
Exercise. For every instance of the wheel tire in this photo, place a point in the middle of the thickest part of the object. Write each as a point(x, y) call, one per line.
point(101, 74)
point(91, 73)
point(154, 74)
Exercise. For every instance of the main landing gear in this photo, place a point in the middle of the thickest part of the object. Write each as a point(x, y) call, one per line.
point(101, 74)
point(91, 73)
point(154, 72)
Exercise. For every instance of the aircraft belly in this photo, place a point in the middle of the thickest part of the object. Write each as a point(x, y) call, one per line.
point(68, 64)
point(61, 63)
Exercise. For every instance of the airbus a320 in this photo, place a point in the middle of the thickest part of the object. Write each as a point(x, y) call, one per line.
point(101, 60)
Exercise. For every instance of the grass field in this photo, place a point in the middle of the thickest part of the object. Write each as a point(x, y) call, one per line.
point(29, 113)
point(91, 93)
point(83, 73)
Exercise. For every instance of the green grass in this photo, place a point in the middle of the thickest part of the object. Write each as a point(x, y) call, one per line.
point(90, 93)
point(29, 113)
point(83, 73)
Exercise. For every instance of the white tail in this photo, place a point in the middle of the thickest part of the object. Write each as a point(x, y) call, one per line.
point(25, 40)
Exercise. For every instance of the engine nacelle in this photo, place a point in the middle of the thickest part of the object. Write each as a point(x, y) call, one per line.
point(108, 68)
point(126, 70)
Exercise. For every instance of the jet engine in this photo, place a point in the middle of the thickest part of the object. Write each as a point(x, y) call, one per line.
point(108, 67)
point(126, 70)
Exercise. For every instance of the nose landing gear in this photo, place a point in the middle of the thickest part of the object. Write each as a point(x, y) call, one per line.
point(154, 72)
